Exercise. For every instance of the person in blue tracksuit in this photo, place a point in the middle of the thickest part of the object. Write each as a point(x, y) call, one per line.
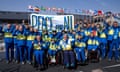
point(26, 30)
point(15, 43)
point(8, 39)
point(103, 42)
point(52, 50)
point(92, 43)
point(79, 47)
point(36, 32)
point(119, 42)
point(71, 35)
point(39, 50)
point(87, 31)
point(21, 42)
point(115, 42)
point(76, 25)
point(54, 35)
point(109, 35)
point(68, 54)
point(45, 37)
point(30, 39)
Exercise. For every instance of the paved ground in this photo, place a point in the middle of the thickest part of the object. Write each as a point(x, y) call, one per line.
point(95, 67)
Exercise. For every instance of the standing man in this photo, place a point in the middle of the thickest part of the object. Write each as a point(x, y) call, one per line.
point(114, 43)
point(8, 38)
point(15, 43)
point(30, 39)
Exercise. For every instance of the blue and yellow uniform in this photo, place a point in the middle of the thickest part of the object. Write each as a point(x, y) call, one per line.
point(39, 47)
point(72, 35)
point(68, 54)
point(8, 39)
point(87, 32)
point(46, 39)
point(52, 50)
point(110, 33)
point(79, 47)
point(15, 44)
point(114, 33)
point(30, 39)
point(21, 43)
point(119, 41)
point(103, 42)
point(92, 43)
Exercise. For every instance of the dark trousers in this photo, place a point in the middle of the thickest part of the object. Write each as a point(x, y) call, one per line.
point(9, 46)
point(68, 57)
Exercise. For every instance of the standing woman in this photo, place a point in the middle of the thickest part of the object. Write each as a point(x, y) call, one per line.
point(21, 38)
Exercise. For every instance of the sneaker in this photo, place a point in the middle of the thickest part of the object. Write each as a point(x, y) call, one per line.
point(72, 65)
point(7, 62)
point(29, 63)
point(16, 61)
point(109, 60)
point(67, 65)
point(117, 60)
point(53, 60)
point(23, 63)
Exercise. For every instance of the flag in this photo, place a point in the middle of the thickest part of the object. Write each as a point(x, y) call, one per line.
point(43, 8)
point(30, 7)
point(60, 10)
point(84, 11)
point(76, 10)
point(36, 9)
point(95, 12)
point(54, 9)
point(100, 12)
point(91, 12)
point(48, 8)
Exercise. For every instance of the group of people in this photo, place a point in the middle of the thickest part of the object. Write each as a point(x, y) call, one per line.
point(24, 42)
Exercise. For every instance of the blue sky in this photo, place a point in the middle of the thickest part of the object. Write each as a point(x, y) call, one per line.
point(21, 5)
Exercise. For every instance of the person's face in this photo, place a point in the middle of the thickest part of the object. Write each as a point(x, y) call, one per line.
point(91, 35)
point(109, 23)
point(8, 26)
point(79, 36)
point(85, 25)
point(20, 28)
point(98, 26)
point(78, 29)
point(93, 25)
point(115, 24)
point(65, 37)
point(88, 25)
point(31, 29)
point(17, 27)
point(78, 22)
point(35, 30)
point(53, 41)
point(38, 38)
point(27, 26)
point(54, 33)
point(73, 32)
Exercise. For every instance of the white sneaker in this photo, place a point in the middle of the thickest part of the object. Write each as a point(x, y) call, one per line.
point(53, 60)
point(23, 63)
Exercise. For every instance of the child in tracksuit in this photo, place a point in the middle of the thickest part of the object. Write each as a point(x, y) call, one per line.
point(53, 47)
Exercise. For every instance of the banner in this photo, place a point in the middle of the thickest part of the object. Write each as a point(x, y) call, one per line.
point(52, 22)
